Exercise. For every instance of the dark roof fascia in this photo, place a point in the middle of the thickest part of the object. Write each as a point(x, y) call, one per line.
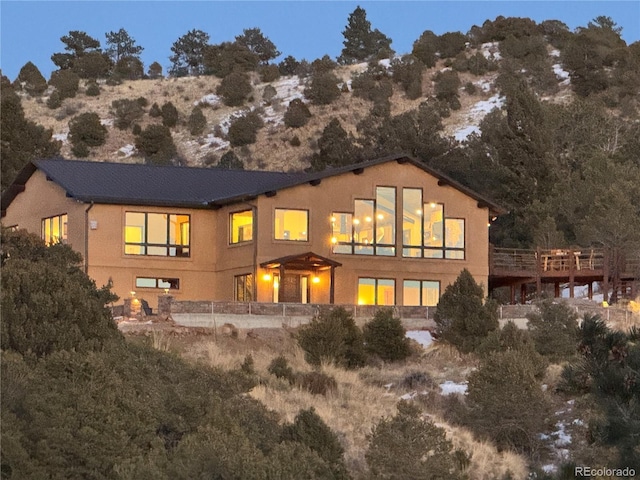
point(315, 177)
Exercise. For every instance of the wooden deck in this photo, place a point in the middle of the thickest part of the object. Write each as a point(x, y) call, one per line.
point(575, 267)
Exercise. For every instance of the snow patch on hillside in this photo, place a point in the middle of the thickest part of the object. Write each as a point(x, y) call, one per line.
point(61, 137)
point(475, 116)
point(450, 388)
point(127, 151)
point(423, 337)
point(210, 99)
point(562, 74)
point(491, 51)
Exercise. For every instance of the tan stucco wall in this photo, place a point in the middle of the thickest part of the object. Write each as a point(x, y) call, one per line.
point(42, 199)
point(208, 274)
point(108, 260)
point(338, 194)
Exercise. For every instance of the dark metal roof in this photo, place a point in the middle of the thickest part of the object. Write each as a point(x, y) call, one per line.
point(137, 184)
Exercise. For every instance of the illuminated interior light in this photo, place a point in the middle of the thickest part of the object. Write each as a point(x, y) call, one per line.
point(418, 212)
point(276, 283)
point(133, 294)
point(356, 221)
point(360, 301)
point(333, 219)
point(367, 219)
point(433, 205)
point(166, 291)
point(334, 240)
point(380, 216)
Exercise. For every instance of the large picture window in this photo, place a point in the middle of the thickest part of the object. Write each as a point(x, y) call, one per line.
point(376, 291)
point(291, 225)
point(243, 291)
point(426, 232)
point(371, 229)
point(54, 229)
point(421, 292)
point(158, 234)
point(241, 227)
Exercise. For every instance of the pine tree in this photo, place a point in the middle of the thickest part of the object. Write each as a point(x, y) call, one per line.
point(257, 43)
point(336, 146)
point(155, 70)
point(31, 80)
point(77, 44)
point(463, 319)
point(86, 128)
point(188, 53)
point(121, 45)
point(21, 140)
point(197, 121)
point(156, 145)
point(360, 42)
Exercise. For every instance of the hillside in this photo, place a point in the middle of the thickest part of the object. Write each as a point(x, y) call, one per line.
point(273, 149)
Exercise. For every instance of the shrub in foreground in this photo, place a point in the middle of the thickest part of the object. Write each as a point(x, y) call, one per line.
point(409, 446)
point(333, 336)
point(385, 337)
point(462, 318)
point(554, 330)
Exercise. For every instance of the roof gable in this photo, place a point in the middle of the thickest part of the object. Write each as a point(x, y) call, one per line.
point(137, 184)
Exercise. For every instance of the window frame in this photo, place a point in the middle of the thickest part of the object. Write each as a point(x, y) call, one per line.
point(374, 248)
point(375, 290)
point(157, 283)
point(420, 291)
point(63, 228)
point(275, 214)
point(247, 289)
point(231, 230)
point(462, 249)
point(144, 245)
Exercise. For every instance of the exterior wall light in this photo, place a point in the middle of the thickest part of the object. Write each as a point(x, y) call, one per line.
point(266, 277)
point(316, 279)
point(334, 240)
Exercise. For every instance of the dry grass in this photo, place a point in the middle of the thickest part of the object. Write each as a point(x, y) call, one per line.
point(360, 399)
point(272, 151)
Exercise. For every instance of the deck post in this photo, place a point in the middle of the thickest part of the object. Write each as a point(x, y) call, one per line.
point(572, 268)
point(605, 275)
point(538, 272)
point(523, 293)
point(590, 290)
point(331, 285)
point(512, 289)
point(556, 290)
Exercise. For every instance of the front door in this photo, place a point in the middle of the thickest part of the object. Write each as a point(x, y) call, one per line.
point(294, 288)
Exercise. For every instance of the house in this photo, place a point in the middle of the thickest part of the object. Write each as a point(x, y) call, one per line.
point(386, 231)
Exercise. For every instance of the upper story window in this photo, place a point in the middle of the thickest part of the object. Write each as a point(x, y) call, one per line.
point(54, 229)
point(241, 227)
point(154, 282)
point(426, 232)
point(370, 229)
point(158, 234)
point(291, 225)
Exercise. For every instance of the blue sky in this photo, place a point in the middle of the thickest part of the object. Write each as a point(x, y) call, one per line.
point(31, 30)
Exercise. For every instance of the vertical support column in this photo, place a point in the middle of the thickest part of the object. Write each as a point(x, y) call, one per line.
point(280, 289)
point(605, 276)
point(538, 272)
point(512, 289)
point(332, 286)
point(523, 293)
point(572, 272)
point(590, 291)
point(556, 289)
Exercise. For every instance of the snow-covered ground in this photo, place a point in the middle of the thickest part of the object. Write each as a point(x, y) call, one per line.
point(423, 337)
point(127, 151)
point(449, 388)
point(476, 114)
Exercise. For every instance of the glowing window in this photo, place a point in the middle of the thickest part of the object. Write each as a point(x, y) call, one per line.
point(243, 288)
point(342, 233)
point(421, 292)
point(376, 291)
point(158, 234)
point(241, 227)
point(454, 235)
point(54, 229)
point(291, 225)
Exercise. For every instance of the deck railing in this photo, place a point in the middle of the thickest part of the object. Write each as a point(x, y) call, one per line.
point(546, 260)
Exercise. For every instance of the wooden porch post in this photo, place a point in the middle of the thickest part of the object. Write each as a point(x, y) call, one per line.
point(280, 289)
point(331, 285)
point(605, 276)
point(512, 289)
point(572, 268)
point(590, 291)
point(523, 293)
point(556, 290)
